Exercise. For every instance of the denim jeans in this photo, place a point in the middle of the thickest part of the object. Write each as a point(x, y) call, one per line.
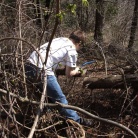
point(54, 92)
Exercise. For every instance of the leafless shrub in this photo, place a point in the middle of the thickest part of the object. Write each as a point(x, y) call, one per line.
point(117, 29)
point(19, 21)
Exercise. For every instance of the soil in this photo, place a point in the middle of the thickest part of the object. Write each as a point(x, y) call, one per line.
point(112, 104)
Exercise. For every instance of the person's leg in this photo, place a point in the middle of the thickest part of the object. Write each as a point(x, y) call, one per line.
point(55, 94)
point(29, 71)
point(32, 72)
point(33, 78)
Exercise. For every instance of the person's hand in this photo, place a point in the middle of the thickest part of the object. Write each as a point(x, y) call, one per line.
point(83, 72)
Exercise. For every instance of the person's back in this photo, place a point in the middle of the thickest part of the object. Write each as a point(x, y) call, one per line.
point(60, 51)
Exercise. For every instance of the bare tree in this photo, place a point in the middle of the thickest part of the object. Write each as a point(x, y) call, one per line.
point(22, 102)
point(99, 19)
point(133, 26)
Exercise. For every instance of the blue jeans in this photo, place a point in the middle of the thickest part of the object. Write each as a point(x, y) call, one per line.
point(54, 92)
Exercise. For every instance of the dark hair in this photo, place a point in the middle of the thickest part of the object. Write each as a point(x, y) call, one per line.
point(77, 36)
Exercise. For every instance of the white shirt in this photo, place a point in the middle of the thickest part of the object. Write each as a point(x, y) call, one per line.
point(62, 52)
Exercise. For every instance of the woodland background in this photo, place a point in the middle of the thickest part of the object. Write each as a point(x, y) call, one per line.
point(112, 41)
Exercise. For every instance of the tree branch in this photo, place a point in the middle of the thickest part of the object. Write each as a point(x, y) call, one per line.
point(57, 105)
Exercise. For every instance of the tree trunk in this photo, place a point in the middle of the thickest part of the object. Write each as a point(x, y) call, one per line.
point(113, 81)
point(99, 18)
point(83, 16)
point(38, 13)
point(133, 26)
point(47, 5)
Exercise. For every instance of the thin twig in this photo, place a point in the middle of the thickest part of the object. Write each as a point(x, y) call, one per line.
point(127, 90)
point(20, 34)
point(99, 118)
point(105, 62)
point(76, 109)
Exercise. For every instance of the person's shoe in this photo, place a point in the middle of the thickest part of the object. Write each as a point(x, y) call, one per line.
point(86, 122)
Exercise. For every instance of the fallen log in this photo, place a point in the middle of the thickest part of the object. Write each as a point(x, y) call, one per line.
point(112, 81)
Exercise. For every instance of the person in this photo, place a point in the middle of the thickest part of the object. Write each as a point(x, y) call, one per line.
point(63, 52)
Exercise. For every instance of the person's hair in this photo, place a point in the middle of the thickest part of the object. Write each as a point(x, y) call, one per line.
point(77, 36)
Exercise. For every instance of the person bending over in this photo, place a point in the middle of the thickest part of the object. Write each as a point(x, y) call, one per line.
point(63, 52)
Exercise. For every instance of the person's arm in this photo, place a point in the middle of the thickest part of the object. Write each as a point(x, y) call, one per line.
point(72, 71)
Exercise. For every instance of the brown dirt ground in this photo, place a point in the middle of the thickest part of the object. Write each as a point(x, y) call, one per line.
point(105, 103)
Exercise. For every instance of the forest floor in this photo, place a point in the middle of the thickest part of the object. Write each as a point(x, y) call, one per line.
point(112, 104)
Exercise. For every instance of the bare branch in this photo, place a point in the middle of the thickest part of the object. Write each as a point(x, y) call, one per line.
point(79, 110)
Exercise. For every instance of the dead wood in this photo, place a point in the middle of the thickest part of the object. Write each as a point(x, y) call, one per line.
point(112, 81)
